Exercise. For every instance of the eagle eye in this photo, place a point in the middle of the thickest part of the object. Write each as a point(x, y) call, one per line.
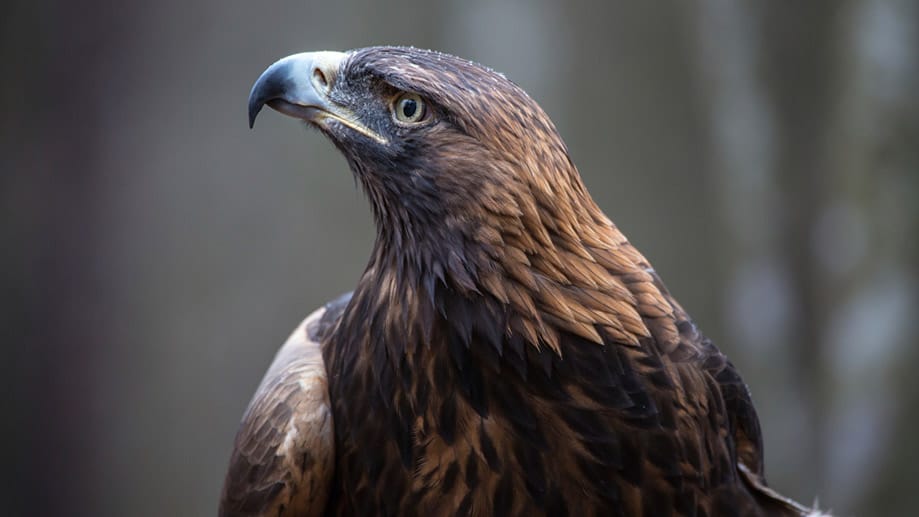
point(409, 108)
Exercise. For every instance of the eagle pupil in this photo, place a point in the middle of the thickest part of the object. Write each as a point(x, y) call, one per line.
point(409, 107)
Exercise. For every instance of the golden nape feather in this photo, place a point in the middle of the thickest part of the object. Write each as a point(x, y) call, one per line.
point(506, 351)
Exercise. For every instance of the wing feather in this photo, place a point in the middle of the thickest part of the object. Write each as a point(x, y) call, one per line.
point(283, 459)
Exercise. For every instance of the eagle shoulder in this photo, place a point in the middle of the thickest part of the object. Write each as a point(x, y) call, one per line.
point(284, 454)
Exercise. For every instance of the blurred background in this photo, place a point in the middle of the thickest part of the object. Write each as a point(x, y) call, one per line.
point(763, 155)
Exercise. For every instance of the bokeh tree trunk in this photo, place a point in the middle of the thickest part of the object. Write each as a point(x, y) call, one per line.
point(51, 234)
point(810, 107)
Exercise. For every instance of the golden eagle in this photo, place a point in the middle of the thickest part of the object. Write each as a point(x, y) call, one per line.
point(506, 351)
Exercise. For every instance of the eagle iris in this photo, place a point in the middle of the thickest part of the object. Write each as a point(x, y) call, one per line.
point(409, 108)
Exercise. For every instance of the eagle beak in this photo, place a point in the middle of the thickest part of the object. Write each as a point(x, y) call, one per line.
point(297, 86)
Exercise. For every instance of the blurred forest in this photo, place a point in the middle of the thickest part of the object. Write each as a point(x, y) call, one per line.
point(763, 155)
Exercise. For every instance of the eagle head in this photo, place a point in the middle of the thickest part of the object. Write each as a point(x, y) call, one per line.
point(460, 165)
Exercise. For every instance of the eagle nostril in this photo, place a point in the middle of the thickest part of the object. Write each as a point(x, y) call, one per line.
point(320, 79)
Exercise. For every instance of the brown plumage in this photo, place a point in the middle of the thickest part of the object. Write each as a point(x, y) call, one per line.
point(506, 351)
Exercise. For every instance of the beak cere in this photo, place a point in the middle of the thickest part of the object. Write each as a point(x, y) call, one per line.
point(297, 86)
